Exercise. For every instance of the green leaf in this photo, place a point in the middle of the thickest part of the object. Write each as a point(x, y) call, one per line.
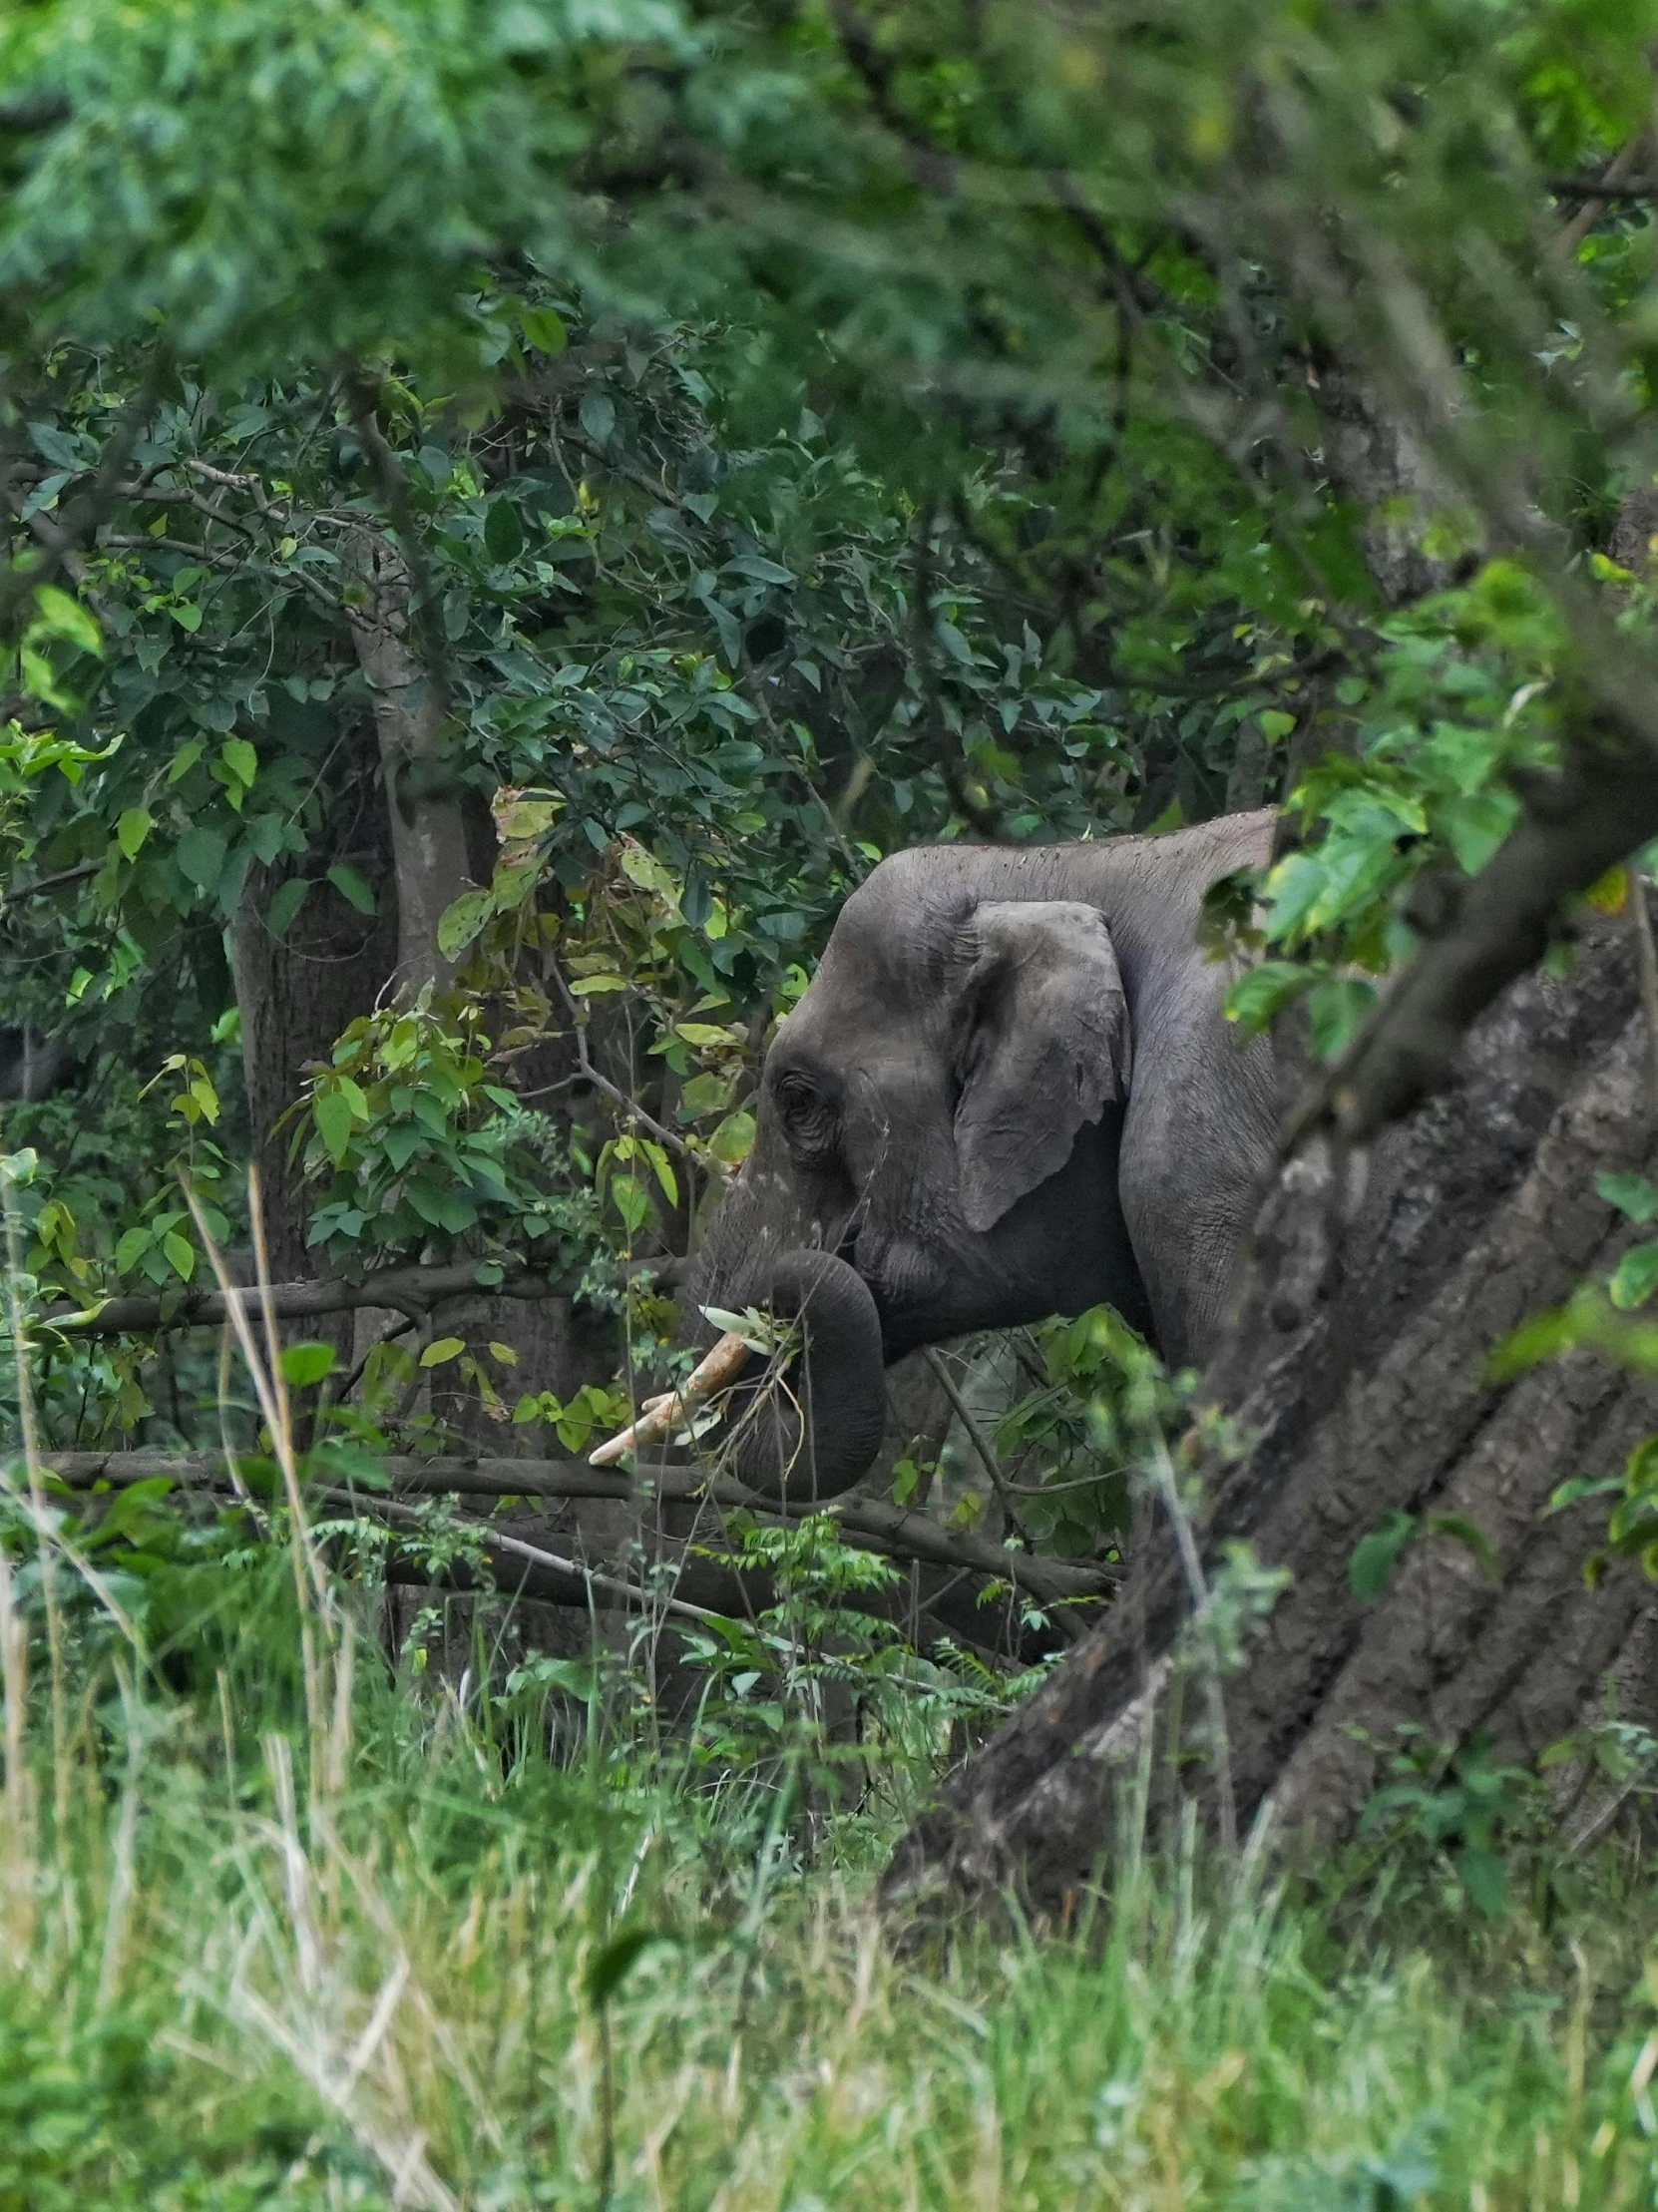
point(334, 1121)
point(180, 1254)
point(543, 327)
point(307, 1363)
point(659, 1160)
point(352, 887)
point(63, 616)
point(523, 815)
point(463, 920)
point(704, 1094)
point(130, 1249)
point(1338, 1007)
point(1631, 1195)
point(240, 758)
point(445, 1349)
point(1635, 1277)
point(1470, 1536)
point(1544, 1337)
point(502, 531)
point(1578, 1487)
point(132, 830)
point(758, 569)
point(733, 1140)
point(632, 1201)
point(1261, 993)
point(649, 873)
point(1486, 1877)
point(1375, 1556)
point(285, 902)
point(201, 857)
point(598, 412)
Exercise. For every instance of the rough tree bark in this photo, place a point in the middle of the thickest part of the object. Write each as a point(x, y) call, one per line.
point(296, 994)
point(428, 827)
point(1357, 1375)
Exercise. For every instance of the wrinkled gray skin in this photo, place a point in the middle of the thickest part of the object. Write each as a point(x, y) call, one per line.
point(1009, 1092)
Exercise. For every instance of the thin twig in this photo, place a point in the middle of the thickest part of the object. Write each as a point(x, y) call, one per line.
point(78, 521)
point(601, 1084)
point(981, 1442)
point(498, 1539)
point(59, 882)
point(1214, 1694)
point(410, 1290)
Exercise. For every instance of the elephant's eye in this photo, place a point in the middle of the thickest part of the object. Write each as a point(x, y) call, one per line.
point(807, 1116)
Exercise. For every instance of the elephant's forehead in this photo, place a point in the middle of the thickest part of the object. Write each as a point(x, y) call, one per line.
point(902, 934)
point(885, 972)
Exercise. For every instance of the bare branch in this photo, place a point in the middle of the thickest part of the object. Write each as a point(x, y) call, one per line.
point(975, 1435)
point(603, 1085)
point(411, 1290)
point(874, 1522)
point(59, 882)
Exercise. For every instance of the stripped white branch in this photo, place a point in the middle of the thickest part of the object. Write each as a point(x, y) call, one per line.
point(661, 1416)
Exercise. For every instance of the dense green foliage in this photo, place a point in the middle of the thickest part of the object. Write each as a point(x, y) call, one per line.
point(513, 507)
point(808, 433)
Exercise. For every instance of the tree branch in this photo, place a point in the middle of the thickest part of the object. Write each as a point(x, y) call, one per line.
point(874, 1522)
point(1577, 825)
point(59, 882)
point(411, 1290)
point(604, 1086)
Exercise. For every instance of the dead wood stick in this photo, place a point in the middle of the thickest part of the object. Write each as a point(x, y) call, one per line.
point(717, 1367)
point(514, 1547)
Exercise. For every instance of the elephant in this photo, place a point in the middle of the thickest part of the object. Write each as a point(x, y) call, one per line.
point(1009, 1092)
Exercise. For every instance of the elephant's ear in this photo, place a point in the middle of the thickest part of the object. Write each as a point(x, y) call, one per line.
point(1045, 1046)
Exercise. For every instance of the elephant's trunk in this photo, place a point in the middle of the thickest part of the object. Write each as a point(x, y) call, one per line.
point(812, 1433)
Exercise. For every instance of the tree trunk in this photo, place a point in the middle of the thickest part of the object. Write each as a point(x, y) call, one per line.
point(296, 994)
point(1356, 1375)
point(423, 797)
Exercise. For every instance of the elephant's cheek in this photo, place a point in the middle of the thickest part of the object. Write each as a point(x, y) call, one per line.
point(904, 1278)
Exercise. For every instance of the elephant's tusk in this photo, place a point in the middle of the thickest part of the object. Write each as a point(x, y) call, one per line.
point(718, 1367)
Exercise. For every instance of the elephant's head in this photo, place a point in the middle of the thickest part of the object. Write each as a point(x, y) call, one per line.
point(934, 1148)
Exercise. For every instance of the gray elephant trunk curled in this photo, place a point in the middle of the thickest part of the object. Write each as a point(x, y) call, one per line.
point(810, 1431)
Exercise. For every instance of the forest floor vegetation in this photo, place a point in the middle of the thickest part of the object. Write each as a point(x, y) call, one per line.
point(381, 1942)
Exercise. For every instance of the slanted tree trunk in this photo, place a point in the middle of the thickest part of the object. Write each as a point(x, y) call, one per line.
point(1356, 1376)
